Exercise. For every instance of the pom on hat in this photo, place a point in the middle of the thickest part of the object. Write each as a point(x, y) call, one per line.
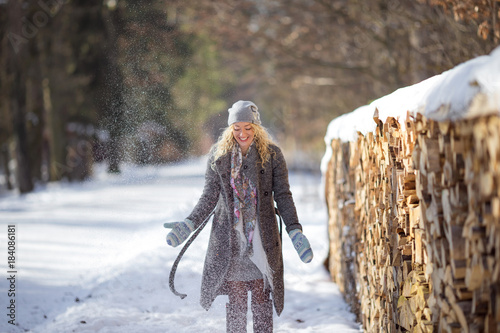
point(244, 111)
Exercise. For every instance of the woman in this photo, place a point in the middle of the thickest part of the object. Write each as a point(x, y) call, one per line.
point(246, 174)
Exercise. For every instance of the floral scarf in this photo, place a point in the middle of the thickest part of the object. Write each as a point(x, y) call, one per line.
point(245, 201)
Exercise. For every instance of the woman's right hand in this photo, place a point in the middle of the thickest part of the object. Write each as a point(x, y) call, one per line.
point(180, 231)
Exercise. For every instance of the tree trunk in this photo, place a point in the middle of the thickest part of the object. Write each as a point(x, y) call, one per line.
point(5, 164)
point(17, 63)
point(111, 100)
point(36, 124)
point(5, 118)
point(24, 178)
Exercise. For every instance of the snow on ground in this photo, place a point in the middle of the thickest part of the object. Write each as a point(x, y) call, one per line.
point(92, 257)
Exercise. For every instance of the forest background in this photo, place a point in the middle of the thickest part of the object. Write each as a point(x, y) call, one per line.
point(149, 81)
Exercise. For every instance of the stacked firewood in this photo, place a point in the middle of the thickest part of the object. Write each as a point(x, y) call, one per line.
point(340, 188)
point(414, 222)
point(460, 204)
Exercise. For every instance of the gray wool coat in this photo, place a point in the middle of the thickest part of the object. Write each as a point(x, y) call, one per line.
point(272, 185)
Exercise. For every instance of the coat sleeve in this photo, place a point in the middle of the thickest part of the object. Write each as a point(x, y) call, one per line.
point(282, 193)
point(209, 197)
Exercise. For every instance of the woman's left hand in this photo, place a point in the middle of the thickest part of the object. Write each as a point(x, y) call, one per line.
point(301, 245)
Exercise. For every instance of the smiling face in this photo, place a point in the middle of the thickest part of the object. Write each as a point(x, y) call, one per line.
point(244, 135)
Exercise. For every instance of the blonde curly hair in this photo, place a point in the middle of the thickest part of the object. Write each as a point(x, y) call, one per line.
point(226, 142)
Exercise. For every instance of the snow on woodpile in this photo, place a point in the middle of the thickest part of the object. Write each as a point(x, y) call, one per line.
point(468, 90)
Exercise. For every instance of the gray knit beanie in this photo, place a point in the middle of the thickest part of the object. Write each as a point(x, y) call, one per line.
point(243, 111)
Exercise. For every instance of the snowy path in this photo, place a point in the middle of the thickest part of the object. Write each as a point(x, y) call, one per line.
point(92, 257)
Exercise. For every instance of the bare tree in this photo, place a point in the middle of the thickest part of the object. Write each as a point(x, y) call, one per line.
point(16, 79)
point(485, 13)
